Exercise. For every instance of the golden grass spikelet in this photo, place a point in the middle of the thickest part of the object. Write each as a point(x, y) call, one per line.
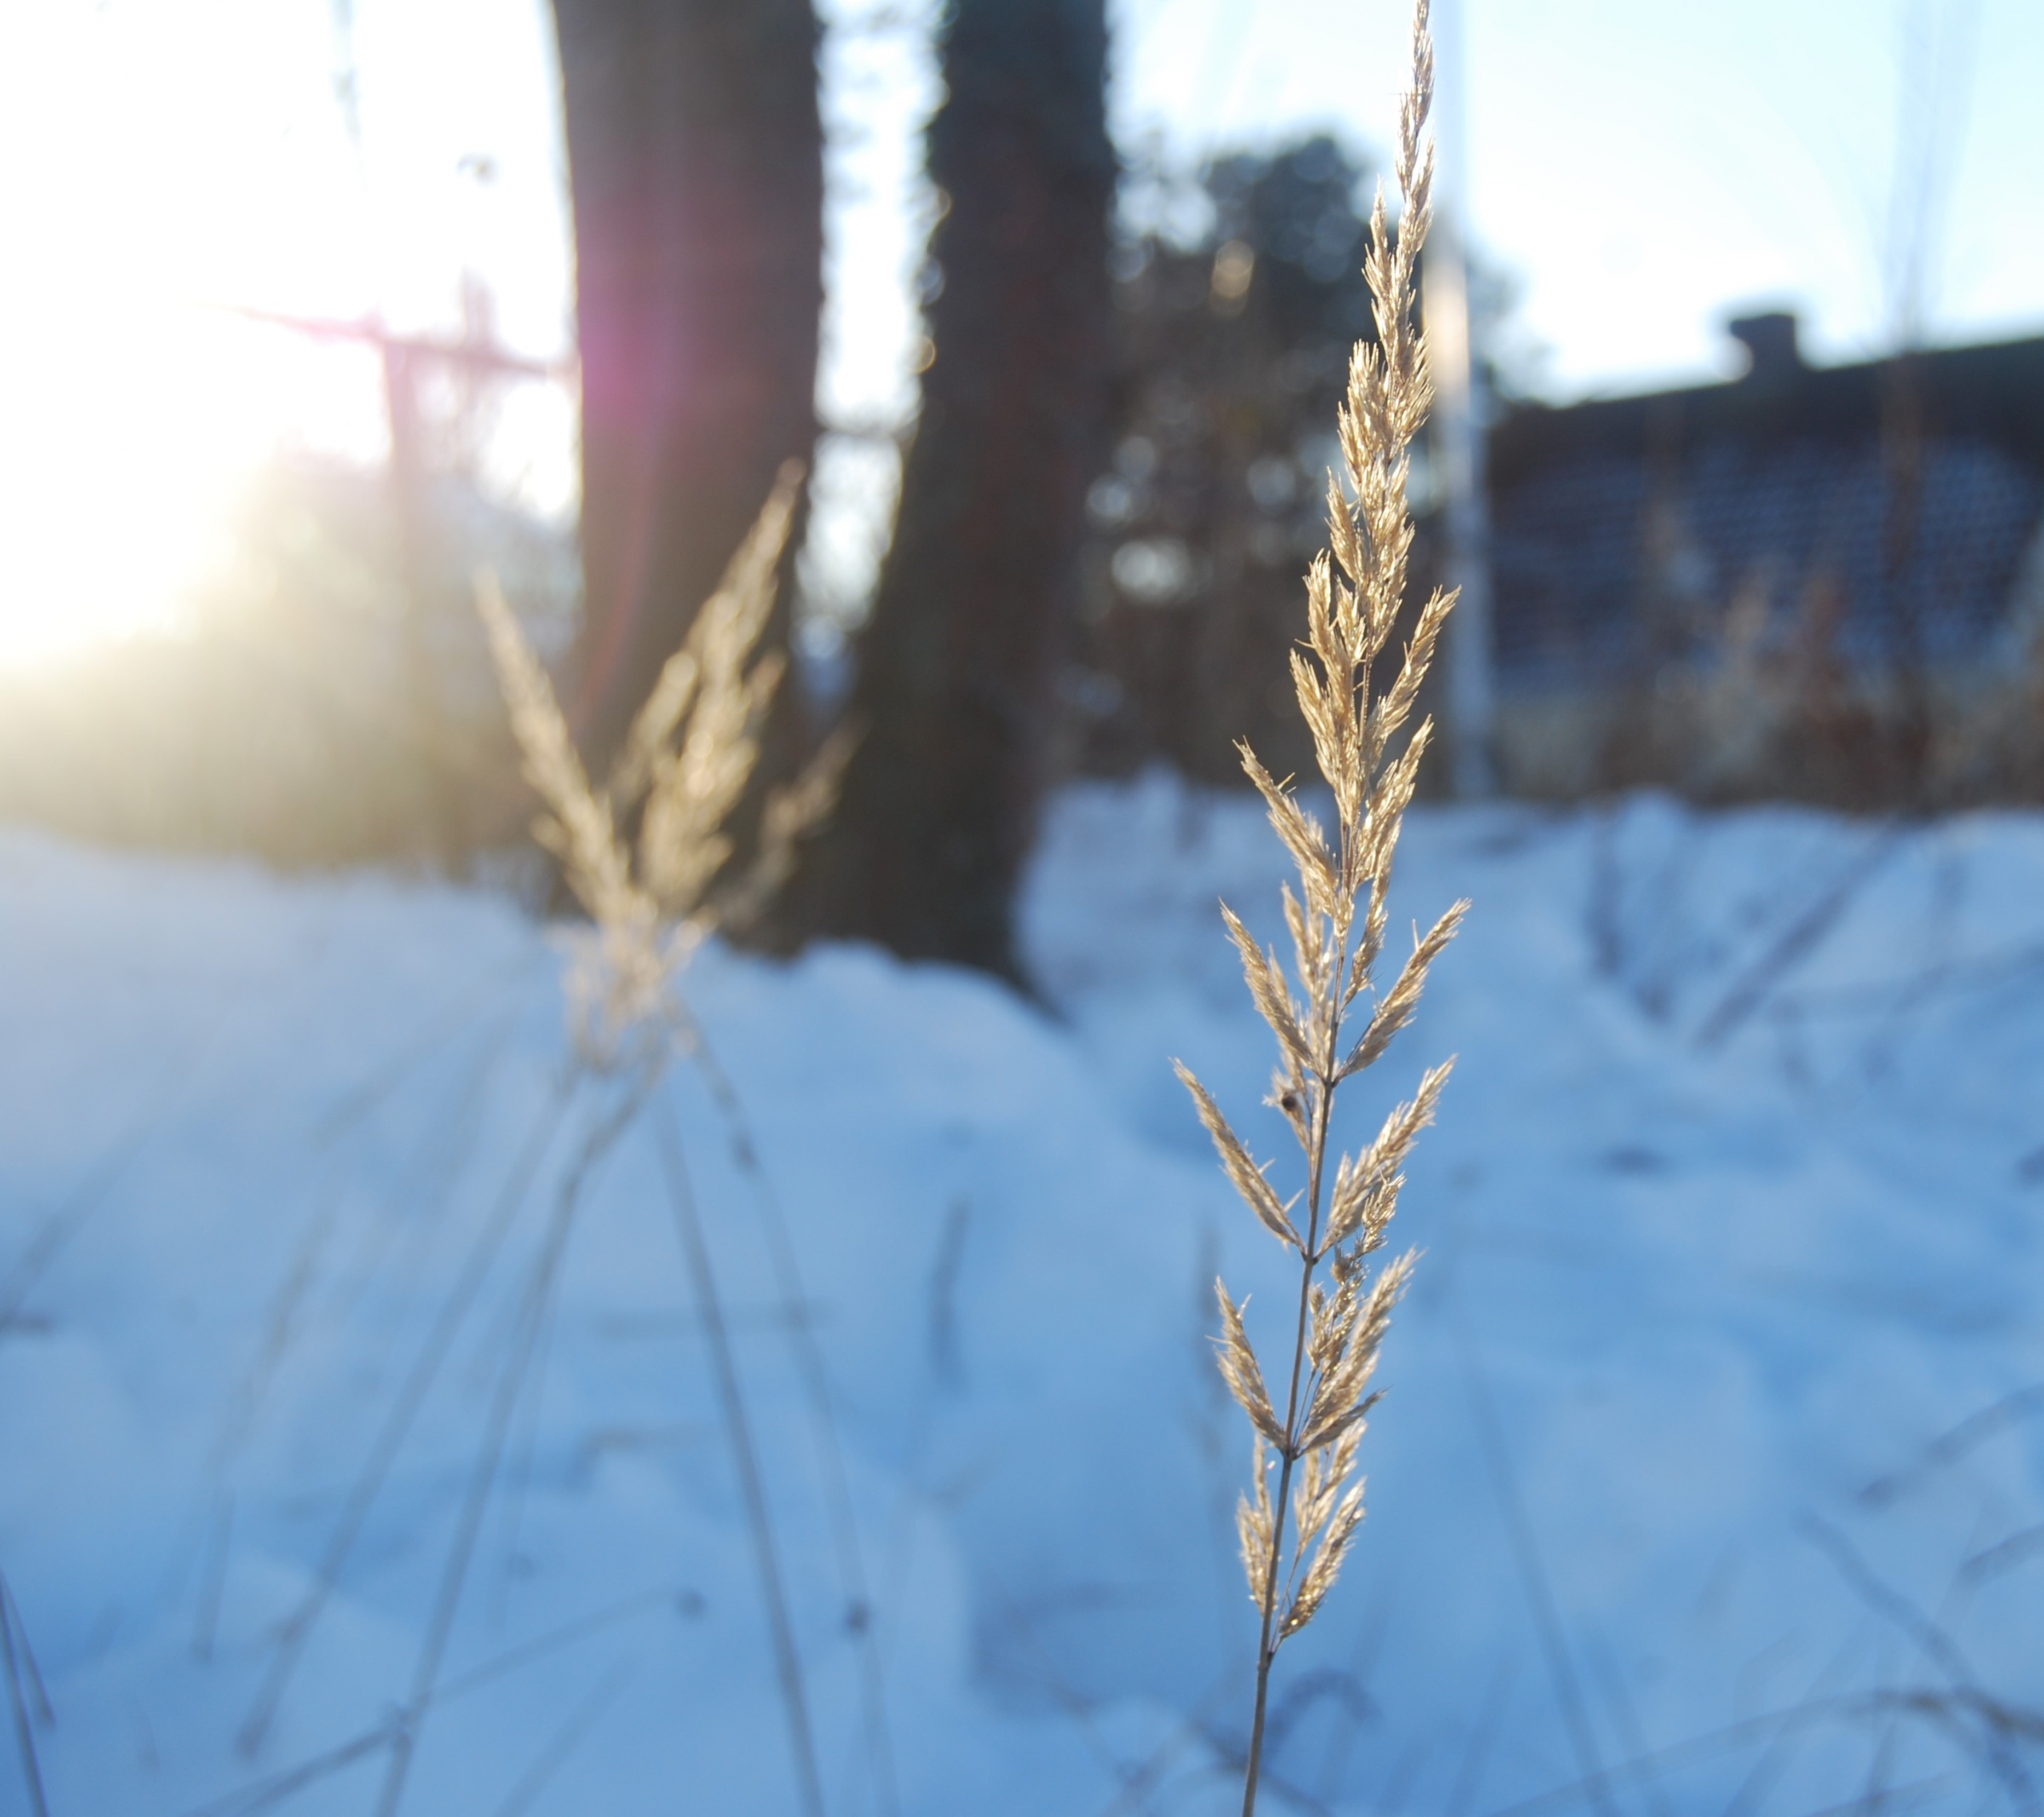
point(655, 721)
point(1321, 1479)
point(1240, 1370)
point(1326, 1565)
point(1355, 594)
point(1332, 1320)
point(1396, 707)
point(1344, 540)
point(1266, 985)
point(1310, 947)
point(1247, 1178)
point(1253, 1524)
point(1339, 1398)
point(685, 765)
point(1395, 1138)
point(1302, 833)
point(1395, 1009)
point(1356, 1190)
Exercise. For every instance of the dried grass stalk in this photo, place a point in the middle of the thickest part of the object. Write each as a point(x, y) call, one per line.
point(652, 896)
point(1355, 592)
point(684, 766)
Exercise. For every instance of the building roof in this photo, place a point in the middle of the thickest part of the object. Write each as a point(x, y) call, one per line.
point(1895, 501)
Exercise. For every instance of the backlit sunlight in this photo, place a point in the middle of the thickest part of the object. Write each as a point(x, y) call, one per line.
point(158, 173)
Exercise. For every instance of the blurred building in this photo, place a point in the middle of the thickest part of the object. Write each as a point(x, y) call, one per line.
point(1822, 583)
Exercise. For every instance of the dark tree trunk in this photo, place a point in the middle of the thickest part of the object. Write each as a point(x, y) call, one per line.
point(957, 667)
point(695, 158)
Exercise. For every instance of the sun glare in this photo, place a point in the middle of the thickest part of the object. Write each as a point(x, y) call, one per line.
point(127, 441)
point(131, 416)
point(161, 168)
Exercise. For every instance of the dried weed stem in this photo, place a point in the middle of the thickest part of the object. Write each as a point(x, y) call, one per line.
point(21, 1667)
point(1354, 594)
point(686, 763)
point(532, 1318)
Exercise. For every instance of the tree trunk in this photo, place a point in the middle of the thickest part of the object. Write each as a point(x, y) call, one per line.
point(695, 151)
point(958, 665)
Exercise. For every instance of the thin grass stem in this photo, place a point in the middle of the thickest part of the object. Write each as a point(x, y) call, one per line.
point(1534, 1579)
point(565, 1739)
point(70, 1217)
point(429, 1173)
point(490, 1453)
point(281, 1328)
point(18, 1668)
point(523, 1450)
point(1266, 1651)
point(277, 1786)
point(814, 1371)
point(396, 1424)
point(788, 1659)
point(1355, 598)
point(212, 1581)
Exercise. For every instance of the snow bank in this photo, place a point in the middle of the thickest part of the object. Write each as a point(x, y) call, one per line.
point(1730, 1215)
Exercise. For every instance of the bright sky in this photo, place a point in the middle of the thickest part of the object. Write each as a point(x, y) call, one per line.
point(1643, 167)
point(1646, 166)
point(156, 161)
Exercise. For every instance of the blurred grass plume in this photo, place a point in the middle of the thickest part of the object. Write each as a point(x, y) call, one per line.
point(684, 768)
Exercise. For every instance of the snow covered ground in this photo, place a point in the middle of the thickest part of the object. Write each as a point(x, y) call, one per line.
point(1711, 1476)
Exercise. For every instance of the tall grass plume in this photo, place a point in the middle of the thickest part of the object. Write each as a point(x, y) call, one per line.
point(1293, 1541)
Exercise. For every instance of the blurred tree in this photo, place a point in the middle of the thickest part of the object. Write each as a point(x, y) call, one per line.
point(953, 692)
point(1234, 348)
point(694, 150)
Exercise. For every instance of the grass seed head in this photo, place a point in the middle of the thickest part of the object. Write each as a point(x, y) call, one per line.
point(685, 765)
point(1355, 594)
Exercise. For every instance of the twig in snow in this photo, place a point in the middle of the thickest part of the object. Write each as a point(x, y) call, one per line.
point(1138, 1786)
point(279, 1786)
point(1617, 1694)
point(1949, 1446)
point(212, 1582)
point(522, 1461)
point(1796, 941)
point(426, 1369)
point(1483, 1737)
point(1787, 1737)
point(2000, 1723)
point(21, 1666)
point(2004, 1556)
point(1533, 1579)
point(565, 1739)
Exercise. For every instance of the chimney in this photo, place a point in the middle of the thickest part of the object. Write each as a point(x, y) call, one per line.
point(1770, 344)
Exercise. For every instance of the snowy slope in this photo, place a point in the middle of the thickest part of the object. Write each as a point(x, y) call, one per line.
point(1731, 1215)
